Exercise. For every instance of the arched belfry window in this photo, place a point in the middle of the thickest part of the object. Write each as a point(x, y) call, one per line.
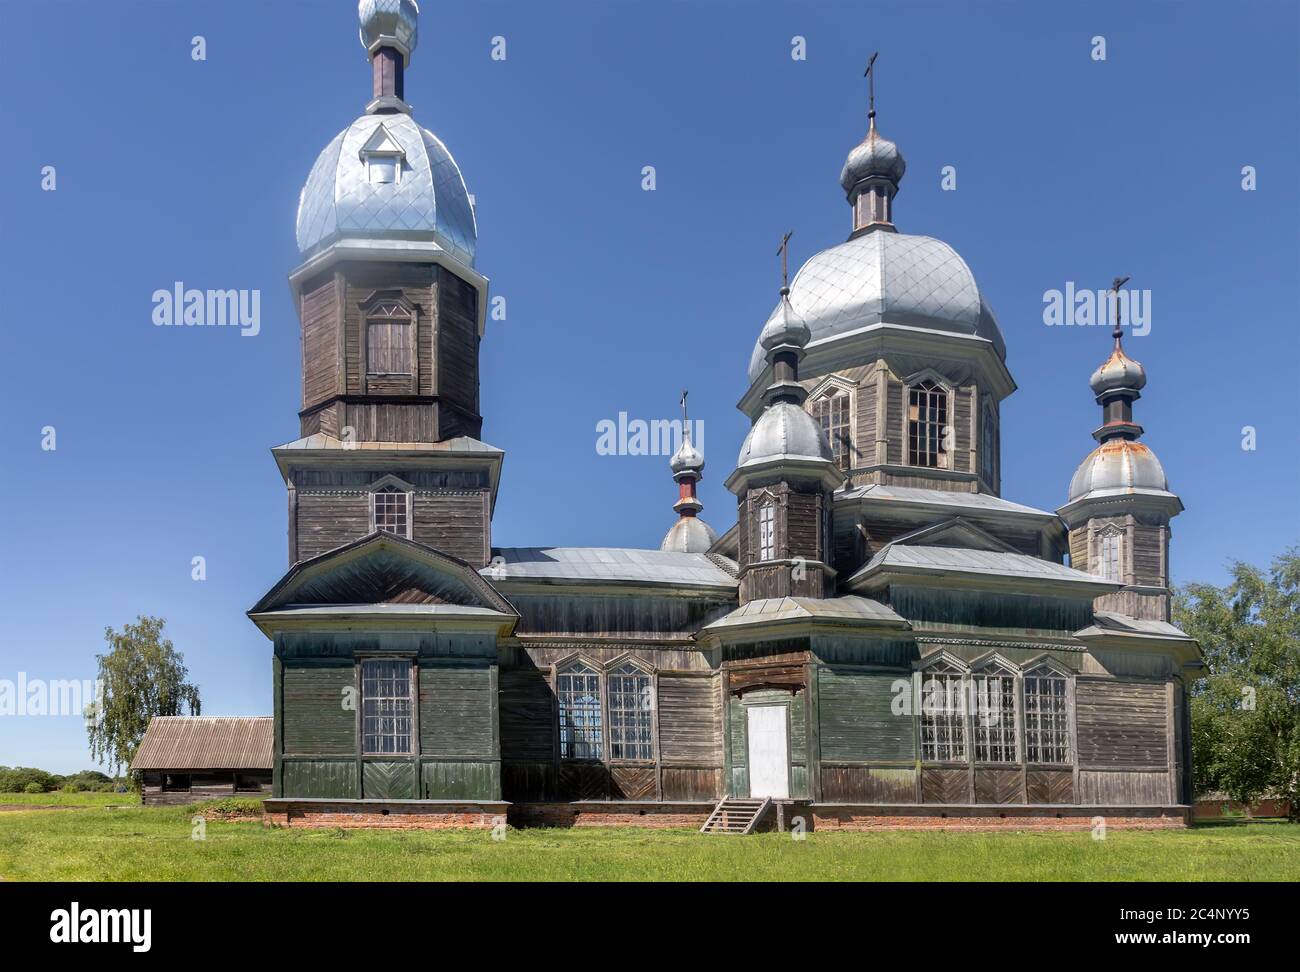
point(577, 690)
point(832, 409)
point(989, 447)
point(927, 424)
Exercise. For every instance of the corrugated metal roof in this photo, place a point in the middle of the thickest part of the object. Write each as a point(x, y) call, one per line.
point(205, 742)
point(988, 562)
point(940, 497)
point(847, 608)
point(605, 564)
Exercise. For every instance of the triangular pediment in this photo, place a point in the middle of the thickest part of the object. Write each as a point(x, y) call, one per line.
point(381, 142)
point(956, 532)
point(383, 569)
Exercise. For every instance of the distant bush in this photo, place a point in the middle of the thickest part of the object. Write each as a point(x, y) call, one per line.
point(33, 787)
point(21, 779)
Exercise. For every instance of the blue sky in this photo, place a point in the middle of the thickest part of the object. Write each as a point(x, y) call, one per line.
point(169, 169)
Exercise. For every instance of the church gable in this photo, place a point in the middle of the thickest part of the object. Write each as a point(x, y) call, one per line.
point(383, 569)
point(956, 532)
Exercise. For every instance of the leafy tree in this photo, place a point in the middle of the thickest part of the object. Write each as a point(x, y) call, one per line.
point(1246, 708)
point(142, 676)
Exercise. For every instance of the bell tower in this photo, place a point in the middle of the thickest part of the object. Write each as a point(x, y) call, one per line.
point(1120, 505)
point(392, 315)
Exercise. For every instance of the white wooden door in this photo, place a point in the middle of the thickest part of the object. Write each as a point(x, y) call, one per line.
point(769, 765)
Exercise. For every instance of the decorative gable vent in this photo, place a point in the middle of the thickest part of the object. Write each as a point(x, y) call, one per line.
point(383, 157)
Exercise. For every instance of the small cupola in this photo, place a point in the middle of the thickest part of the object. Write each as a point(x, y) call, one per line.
point(872, 171)
point(689, 534)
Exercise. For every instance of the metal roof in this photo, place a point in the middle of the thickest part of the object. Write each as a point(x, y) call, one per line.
point(784, 430)
point(1117, 467)
point(1113, 623)
point(849, 608)
point(887, 277)
point(941, 560)
point(619, 564)
point(428, 201)
point(323, 440)
point(205, 742)
point(915, 495)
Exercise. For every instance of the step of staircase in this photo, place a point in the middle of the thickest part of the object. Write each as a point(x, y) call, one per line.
point(736, 816)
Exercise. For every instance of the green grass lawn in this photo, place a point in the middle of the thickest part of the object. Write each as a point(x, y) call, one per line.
point(156, 844)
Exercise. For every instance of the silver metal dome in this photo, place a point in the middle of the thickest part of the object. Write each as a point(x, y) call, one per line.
point(391, 23)
point(1118, 371)
point(687, 458)
point(874, 156)
point(426, 199)
point(784, 430)
point(1118, 466)
point(689, 534)
point(894, 278)
point(784, 327)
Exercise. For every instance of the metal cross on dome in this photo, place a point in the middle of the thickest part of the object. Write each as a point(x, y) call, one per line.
point(782, 252)
point(870, 75)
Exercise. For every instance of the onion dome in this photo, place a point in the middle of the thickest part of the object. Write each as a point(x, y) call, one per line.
point(784, 328)
point(1117, 372)
point(384, 181)
point(687, 458)
point(1118, 466)
point(875, 157)
point(784, 431)
point(389, 23)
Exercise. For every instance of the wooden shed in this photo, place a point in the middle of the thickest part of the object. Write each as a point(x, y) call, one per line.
point(185, 759)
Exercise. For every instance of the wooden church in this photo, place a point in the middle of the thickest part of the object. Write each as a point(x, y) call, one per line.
point(881, 640)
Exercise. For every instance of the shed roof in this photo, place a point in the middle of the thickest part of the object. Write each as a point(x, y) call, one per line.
point(205, 742)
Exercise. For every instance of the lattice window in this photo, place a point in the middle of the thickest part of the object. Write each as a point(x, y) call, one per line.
point(388, 340)
point(943, 714)
point(1110, 555)
point(631, 713)
point(578, 690)
point(390, 511)
point(994, 694)
point(386, 707)
point(927, 425)
point(767, 532)
point(1047, 719)
point(832, 411)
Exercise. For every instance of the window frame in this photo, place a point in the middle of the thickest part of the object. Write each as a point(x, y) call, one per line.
point(767, 530)
point(832, 388)
point(645, 741)
point(390, 307)
point(941, 392)
point(984, 745)
point(954, 720)
point(596, 750)
point(389, 486)
point(411, 733)
point(989, 453)
point(1062, 716)
point(1115, 538)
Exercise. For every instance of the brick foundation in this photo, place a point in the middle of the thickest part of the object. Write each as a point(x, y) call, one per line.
point(384, 814)
point(851, 817)
point(610, 813)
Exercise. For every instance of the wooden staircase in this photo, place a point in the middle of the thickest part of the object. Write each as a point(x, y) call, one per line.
point(735, 816)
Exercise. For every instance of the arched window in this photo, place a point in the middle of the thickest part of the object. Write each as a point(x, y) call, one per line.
point(390, 511)
point(831, 409)
point(390, 337)
point(1047, 725)
point(927, 424)
point(943, 713)
point(1110, 554)
point(577, 688)
point(767, 532)
point(631, 710)
point(993, 690)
